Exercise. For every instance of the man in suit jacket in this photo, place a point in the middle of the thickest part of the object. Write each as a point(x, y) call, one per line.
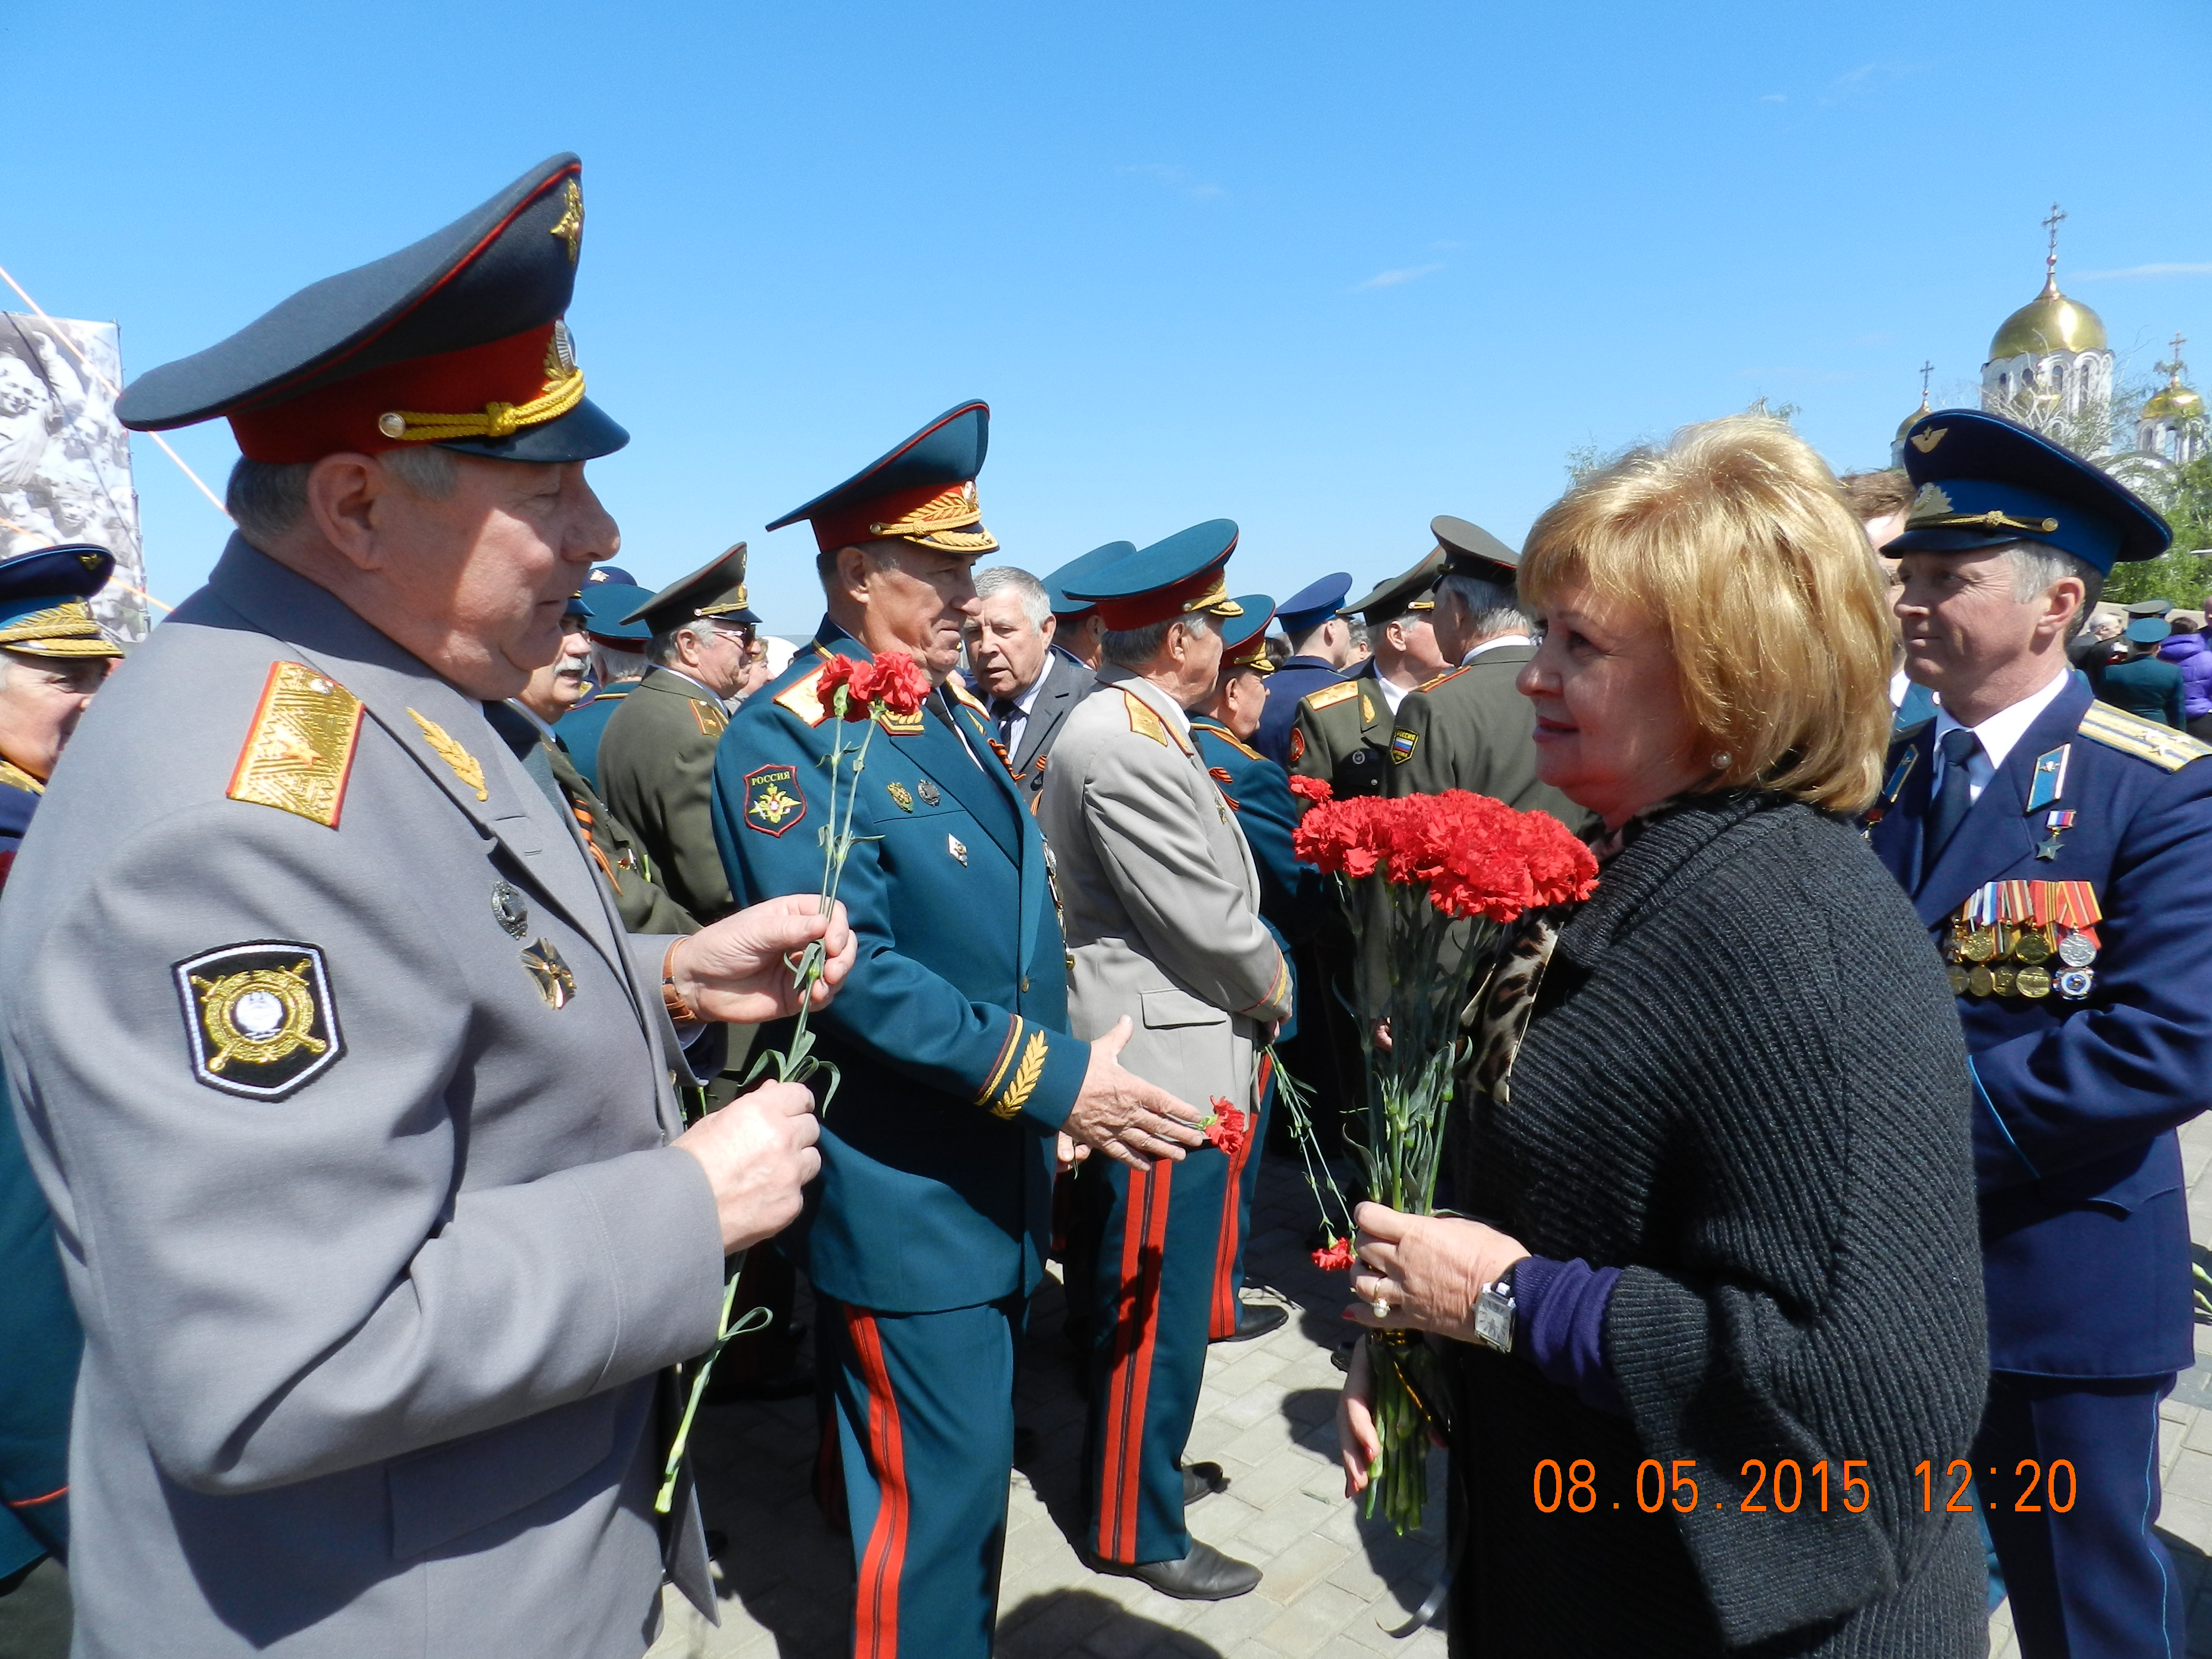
point(1163, 917)
point(351, 1096)
point(2055, 848)
point(657, 754)
point(1471, 728)
point(1027, 686)
point(954, 1060)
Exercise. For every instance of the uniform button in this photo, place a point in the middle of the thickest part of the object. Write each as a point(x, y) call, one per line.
point(1025, 982)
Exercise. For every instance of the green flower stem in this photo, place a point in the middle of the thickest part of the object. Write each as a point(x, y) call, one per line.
point(753, 1321)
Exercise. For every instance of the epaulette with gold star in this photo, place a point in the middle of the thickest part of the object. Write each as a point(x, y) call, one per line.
point(800, 697)
point(298, 754)
point(2161, 745)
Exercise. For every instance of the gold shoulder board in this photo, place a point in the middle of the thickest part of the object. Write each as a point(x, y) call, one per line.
point(1234, 741)
point(1142, 718)
point(1329, 695)
point(2161, 745)
point(299, 753)
point(1448, 674)
point(799, 698)
point(965, 694)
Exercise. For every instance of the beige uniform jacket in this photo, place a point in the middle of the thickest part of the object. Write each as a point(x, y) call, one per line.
point(1161, 898)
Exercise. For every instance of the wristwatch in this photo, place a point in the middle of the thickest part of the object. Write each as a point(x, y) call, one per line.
point(1493, 1312)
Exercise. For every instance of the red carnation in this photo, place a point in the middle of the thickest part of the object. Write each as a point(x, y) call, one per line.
point(1316, 790)
point(1336, 1258)
point(843, 672)
point(1227, 1127)
point(900, 683)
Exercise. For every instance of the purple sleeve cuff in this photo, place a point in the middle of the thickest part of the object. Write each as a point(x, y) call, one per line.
point(1560, 1324)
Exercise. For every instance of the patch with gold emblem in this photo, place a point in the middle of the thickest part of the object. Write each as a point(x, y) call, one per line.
point(773, 801)
point(259, 1018)
point(900, 793)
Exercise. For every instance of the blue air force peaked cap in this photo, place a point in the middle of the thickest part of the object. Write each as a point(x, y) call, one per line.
point(601, 574)
point(1244, 638)
point(576, 610)
point(1075, 570)
point(606, 604)
point(457, 340)
point(1315, 604)
point(716, 589)
point(1173, 577)
point(1984, 480)
point(922, 491)
point(42, 601)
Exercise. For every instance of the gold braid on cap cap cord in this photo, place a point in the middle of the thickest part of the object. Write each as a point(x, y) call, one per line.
point(564, 390)
point(66, 629)
point(940, 523)
point(1216, 600)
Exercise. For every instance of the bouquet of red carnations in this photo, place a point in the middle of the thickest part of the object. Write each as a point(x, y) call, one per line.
point(853, 692)
point(1442, 875)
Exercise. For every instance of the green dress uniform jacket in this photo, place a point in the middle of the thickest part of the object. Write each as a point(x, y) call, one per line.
point(950, 1033)
point(2146, 687)
point(1341, 734)
point(656, 771)
point(1470, 729)
point(351, 1095)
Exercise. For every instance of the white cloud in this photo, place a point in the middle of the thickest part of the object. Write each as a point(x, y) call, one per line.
point(1180, 179)
point(1773, 98)
point(2143, 270)
point(1393, 278)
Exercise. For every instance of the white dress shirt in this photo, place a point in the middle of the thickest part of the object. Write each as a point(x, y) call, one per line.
point(1018, 727)
point(2000, 734)
point(1501, 641)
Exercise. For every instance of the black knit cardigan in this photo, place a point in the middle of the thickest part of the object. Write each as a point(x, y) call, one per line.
point(1744, 1084)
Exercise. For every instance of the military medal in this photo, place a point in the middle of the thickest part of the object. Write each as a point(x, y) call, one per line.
point(1979, 983)
point(2001, 982)
point(2057, 823)
point(507, 906)
point(2074, 907)
point(2032, 983)
point(927, 790)
point(1958, 977)
point(2074, 983)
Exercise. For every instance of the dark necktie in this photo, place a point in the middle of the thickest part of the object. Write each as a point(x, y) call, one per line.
point(1953, 799)
point(1005, 711)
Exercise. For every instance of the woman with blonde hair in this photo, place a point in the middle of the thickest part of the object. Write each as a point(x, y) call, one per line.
point(1718, 1334)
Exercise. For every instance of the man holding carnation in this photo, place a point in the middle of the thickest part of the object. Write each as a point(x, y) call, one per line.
point(1163, 917)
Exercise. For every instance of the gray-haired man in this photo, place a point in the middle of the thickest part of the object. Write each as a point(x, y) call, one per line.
point(1029, 687)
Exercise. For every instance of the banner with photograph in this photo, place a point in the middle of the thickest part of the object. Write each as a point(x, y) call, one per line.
point(65, 460)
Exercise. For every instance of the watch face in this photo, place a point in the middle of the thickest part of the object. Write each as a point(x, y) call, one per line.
point(1493, 1318)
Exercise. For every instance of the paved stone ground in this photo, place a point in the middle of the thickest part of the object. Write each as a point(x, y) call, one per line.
point(1334, 1582)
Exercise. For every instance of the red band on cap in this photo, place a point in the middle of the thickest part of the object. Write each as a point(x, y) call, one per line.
point(1142, 610)
point(851, 523)
point(343, 416)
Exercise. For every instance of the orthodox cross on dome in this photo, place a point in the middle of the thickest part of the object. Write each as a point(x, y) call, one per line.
point(2050, 259)
point(1927, 369)
point(2175, 368)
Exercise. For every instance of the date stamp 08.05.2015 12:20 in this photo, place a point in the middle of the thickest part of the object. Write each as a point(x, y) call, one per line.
point(1789, 1486)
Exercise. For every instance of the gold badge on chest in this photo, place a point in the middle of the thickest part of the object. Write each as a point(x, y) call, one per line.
point(556, 983)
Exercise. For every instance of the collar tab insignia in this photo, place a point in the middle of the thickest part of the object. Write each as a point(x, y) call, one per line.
point(465, 766)
point(259, 1018)
point(2050, 782)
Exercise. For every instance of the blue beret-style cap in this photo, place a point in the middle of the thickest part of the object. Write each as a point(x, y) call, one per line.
point(607, 603)
point(1056, 585)
point(1175, 576)
point(1984, 480)
point(1316, 603)
point(42, 601)
point(421, 346)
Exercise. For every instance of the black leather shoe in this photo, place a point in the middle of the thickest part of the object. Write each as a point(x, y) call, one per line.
point(1205, 1574)
point(1255, 1319)
point(1202, 1481)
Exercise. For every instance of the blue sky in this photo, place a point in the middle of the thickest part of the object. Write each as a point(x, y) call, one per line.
point(1327, 269)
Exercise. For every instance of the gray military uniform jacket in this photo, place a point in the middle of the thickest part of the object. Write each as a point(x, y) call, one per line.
point(1161, 900)
point(350, 1097)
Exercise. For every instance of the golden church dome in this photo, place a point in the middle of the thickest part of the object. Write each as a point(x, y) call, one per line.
point(2174, 402)
point(1906, 425)
point(2050, 322)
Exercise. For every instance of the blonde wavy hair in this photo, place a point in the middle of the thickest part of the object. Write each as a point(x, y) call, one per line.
point(1735, 538)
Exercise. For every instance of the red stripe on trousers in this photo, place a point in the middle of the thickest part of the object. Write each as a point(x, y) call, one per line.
point(875, 1612)
point(1144, 1244)
point(1224, 1316)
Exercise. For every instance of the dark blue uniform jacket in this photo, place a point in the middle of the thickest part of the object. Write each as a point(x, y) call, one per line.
point(951, 1032)
point(1293, 900)
point(1293, 680)
point(2085, 1226)
point(39, 1342)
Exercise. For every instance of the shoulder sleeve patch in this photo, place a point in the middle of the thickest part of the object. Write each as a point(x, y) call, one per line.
point(800, 699)
point(298, 754)
point(1402, 744)
point(1448, 674)
point(260, 1017)
point(1143, 720)
point(1329, 695)
point(2161, 745)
